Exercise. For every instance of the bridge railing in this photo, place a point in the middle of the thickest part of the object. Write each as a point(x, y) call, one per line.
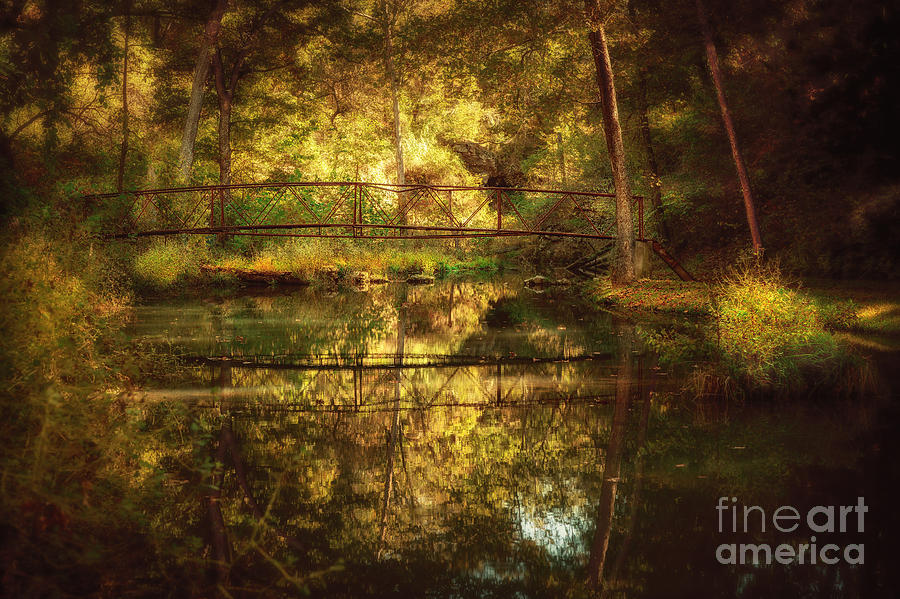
point(367, 210)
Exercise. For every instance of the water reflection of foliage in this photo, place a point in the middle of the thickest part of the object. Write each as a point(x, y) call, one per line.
point(501, 501)
point(458, 317)
point(473, 488)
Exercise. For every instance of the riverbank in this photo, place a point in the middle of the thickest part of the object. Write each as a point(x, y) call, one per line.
point(849, 306)
point(755, 334)
point(163, 266)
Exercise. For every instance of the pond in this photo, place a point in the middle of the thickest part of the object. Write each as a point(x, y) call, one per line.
point(477, 439)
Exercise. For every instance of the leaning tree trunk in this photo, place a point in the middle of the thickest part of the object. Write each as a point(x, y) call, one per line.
point(201, 69)
point(713, 59)
point(623, 270)
point(123, 153)
point(189, 137)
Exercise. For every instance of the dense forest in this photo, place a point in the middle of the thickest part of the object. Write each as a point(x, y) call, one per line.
point(103, 97)
point(201, 396)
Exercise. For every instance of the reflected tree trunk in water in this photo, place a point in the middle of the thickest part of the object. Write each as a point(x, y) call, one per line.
point(395, 422)
point(240, 472)
point(230, 441)
point(613, 459)
point(636, 495)
point(218, 532)
point(451, 304)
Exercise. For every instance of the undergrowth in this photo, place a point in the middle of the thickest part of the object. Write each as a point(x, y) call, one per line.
point(763, 338)
point(84, 489)
point(163, 264)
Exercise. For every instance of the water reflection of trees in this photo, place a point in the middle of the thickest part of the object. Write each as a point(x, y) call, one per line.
point(542, 501)
point(473, 318)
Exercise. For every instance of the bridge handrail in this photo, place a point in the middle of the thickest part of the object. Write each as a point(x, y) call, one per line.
point(384, 186)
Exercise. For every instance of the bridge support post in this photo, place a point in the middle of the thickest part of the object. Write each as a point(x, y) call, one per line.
point(355, 209)
point(212, 208)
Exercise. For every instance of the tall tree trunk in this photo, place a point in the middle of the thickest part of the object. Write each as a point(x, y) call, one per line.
point(225, 94)
point(192, 121)
point(391, 72)
point(713, 59)
point(201, 69)
point(652, 164)
point(395, 100)
point(123, 154)
point(225, 140)
point(623, 270)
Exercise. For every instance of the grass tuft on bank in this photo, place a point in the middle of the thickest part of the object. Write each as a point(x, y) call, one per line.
point(755, 335)
point(770, 336)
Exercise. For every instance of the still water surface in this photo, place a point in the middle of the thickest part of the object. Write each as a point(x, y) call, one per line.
point(474, 439)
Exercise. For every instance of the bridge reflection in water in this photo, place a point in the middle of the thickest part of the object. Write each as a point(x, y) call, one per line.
point(367, 384)
point(448, 440)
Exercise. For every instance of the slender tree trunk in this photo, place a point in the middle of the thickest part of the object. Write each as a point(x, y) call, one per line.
point(201, 69)
point(225, 140)
point(225, 94)
point(224, 159)
point(713, 59)
point(652, 164)
point(123, 154)
point(562, 158)
point(394, 80)
point(623, 271)
point(395, 100)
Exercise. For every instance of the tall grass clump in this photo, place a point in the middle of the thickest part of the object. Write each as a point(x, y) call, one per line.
point(165, 262)
point(769, 337)
point(763, 338)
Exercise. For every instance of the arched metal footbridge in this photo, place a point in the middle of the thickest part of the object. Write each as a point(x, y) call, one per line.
point(361, 210)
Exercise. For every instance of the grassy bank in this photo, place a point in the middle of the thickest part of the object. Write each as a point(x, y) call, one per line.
point(165, 264)
point(752, 334)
